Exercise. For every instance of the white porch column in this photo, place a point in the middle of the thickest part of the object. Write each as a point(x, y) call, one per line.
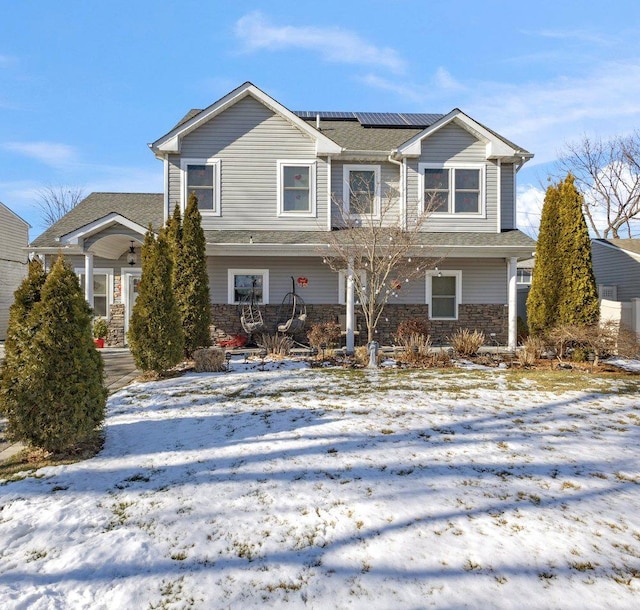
point(88, 278)
point(513, 303)
point(350, 322)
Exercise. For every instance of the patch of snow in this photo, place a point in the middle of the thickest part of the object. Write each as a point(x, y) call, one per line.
point(325, 488)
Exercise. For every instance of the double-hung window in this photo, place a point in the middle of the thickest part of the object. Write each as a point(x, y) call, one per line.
point(102, 290)
point(202, 177)
point(361, 190)
point(243, 282)
point(444, 290)
point(296, 188)
point(452, 189)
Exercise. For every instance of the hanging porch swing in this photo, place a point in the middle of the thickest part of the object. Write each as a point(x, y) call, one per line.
point(251, 317)
point(292, 313)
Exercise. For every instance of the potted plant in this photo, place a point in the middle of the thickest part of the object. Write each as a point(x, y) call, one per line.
point(100, 330)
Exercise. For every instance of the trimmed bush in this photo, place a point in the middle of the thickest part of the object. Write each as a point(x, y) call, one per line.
point(409, 327)
point(209, 360)
point(60, 399)
point(155, 334)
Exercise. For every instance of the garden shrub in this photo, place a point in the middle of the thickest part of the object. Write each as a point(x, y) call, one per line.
point(409, 327)
point(466, 343)
point(277, 345)
point(209, 360)
point(59, 400)
point(324, 332)
point(531, 351)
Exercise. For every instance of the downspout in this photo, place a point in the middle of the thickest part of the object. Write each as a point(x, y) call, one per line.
point(403, 203)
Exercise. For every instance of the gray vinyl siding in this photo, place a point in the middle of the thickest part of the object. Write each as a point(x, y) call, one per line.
point(322, 284)
point(454, 144)
point(484, 281)
point(613, 267)
point(14, 237)
point(507, 219)
point(390, 184)
point(119, 230)
point(249, 140)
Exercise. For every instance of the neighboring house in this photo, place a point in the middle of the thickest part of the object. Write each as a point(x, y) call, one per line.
point(14, 239)
point(525, 275)
point(616, 266)
point(269, 181)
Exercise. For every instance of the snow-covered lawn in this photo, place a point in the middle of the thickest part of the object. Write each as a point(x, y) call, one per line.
point(339, 489)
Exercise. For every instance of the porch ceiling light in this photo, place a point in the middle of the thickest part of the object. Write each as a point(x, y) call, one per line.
point(131, 255)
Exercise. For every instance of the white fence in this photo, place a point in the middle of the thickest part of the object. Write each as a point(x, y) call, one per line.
point(625, 313)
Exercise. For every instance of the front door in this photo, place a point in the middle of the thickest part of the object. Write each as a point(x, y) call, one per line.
point(132, 280)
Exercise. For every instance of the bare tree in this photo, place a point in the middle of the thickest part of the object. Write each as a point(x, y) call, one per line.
point(372, 245)
point(607, 173)
point(56, 201)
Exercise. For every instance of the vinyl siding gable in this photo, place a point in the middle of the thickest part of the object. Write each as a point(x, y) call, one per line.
point(249, 139)
point(454, 145)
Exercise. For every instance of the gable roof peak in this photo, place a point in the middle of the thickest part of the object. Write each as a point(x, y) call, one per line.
point(170, 142)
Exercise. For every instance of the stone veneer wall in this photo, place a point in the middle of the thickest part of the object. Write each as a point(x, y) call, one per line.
point(115, 336)
point(488, 318)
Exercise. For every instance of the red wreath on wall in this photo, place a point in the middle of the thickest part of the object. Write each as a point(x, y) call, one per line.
point(303, 281)
point(396, 284)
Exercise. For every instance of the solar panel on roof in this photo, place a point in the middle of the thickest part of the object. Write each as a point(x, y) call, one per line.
point(420, 119)
point(380, 119)
point(324, 114)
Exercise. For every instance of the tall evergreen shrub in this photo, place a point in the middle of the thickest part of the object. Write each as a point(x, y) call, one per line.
point(62, 399)
point(20, 331)
point(155, 335)
point(544, 295)
point(578, 304)
point(191, 281)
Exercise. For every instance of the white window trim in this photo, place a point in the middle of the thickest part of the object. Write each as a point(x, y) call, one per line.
point(216, 164)
point(482, 213)
point(79, 271)
point(443, 273)
point(342, 286)
point(231, 273)
point(346, 188)
point(311, 164)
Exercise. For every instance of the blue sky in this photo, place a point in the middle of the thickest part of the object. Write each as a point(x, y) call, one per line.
point(85, 86)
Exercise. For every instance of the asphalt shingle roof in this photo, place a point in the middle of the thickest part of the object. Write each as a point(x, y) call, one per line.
point(512, 238)
point(141, 208)
point(631, 245)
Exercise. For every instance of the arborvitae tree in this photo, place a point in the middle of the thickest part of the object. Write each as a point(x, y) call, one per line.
point(155, 333)
point(542, 302)
point(578, 303)
point(191, 281)
point(19, 336)
point(62, 401)
point(174, 238)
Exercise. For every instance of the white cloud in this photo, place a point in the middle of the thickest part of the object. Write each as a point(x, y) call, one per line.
point(334, 44)
point(52, 154)
point(529, 205)
point(587, 36)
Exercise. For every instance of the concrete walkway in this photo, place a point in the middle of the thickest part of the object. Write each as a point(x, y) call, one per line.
point(119, 371)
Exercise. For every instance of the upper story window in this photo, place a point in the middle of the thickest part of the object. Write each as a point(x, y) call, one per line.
point(361, 190)
point(452, 189)
point(202, 177)
point(296, 188)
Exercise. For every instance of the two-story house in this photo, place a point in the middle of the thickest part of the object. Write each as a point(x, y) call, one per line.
point(270, 183)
